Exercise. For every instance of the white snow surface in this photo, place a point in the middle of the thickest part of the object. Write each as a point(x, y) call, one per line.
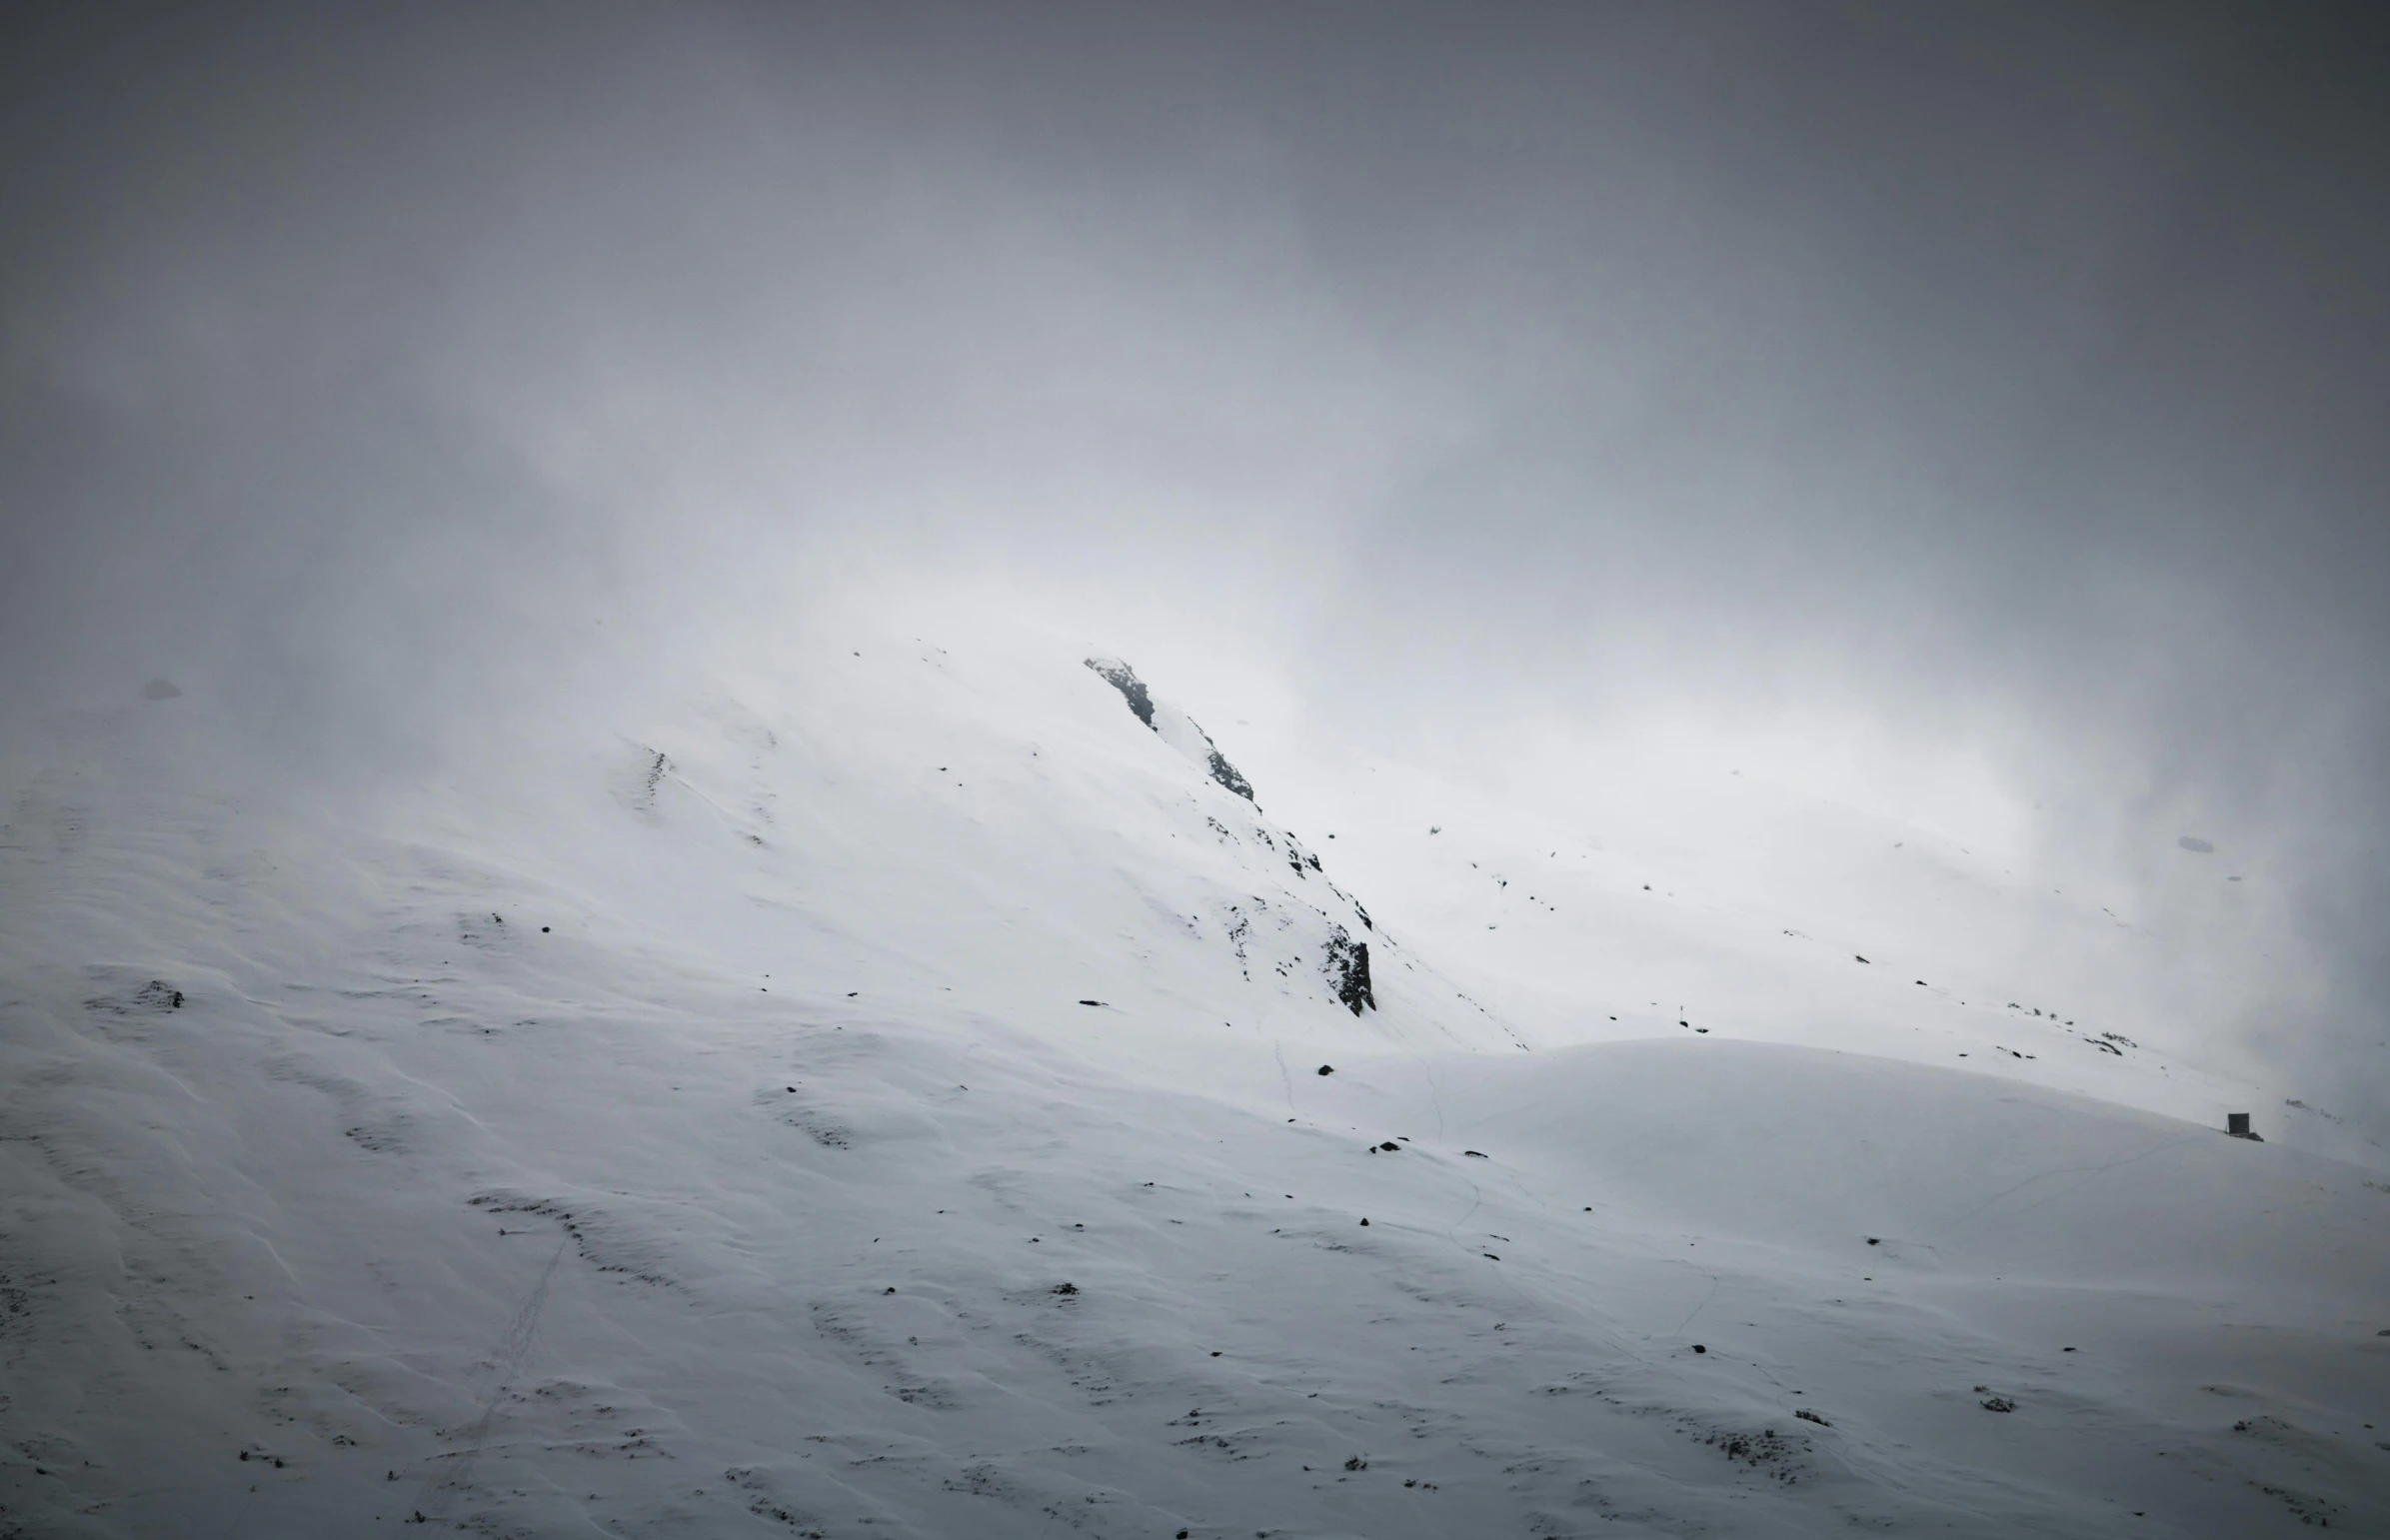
point(701, 1132)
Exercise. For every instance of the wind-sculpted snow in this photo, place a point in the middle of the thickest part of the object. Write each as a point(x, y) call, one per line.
point(543, 1165)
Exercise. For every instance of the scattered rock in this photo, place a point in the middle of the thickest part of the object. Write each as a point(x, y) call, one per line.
point(1998, 1404)
point(1807, 1415)
point(1356, 1463)
point(156, 995)
point(1059, 1288)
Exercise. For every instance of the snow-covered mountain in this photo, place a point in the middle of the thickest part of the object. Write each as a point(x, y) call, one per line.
point(922, 1093)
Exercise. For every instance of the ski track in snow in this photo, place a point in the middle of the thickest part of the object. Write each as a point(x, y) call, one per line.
point(771, 1157)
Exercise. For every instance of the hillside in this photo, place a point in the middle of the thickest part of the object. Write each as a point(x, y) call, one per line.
point(919, 1093)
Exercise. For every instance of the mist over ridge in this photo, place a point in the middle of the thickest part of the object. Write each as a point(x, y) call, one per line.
point(1973, 420)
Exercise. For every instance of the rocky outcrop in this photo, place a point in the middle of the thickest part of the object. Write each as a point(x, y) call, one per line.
point(1225, 774)
point(1124, 679)
point(1284, 929)
point(1172, 726)
point(1347, 969)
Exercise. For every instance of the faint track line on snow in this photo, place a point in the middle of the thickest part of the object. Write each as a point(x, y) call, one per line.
point(1703, 1306)
point(507, 1358)
point(2091, 1173)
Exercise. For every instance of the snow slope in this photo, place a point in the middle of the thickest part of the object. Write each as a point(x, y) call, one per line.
point(1719, 903)
point(703, 1132)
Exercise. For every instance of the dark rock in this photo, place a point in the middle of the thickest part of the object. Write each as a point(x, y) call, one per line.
point(1999, 1404)
point(1698, 1349)
point(1141, 701)
point(1124, 679)
point(1347, 969)
point(1091, 1002)
point(1364, 1224)
point(1227, 774)
point(1065, 1289)
point(1389, 1146)
point(1481, 1154)
point(1807, 1415)
point(1328, 1069)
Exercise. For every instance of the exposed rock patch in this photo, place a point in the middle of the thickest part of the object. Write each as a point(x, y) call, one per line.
point(1347, 969)
point(1172, 725)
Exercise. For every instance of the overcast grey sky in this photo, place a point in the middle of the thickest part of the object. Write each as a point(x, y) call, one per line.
point(1998, 376)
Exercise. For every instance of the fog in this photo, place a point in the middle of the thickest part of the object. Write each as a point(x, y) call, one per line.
point(1971, 412)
